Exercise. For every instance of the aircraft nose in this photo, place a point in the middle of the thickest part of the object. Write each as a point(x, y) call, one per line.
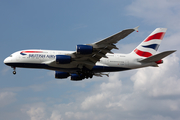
point(7, 60)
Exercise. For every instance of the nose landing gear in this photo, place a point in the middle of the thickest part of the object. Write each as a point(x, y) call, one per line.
point(14, 72)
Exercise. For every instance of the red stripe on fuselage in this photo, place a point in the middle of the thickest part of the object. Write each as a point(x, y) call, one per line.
point(31, 52)
point(158, 36)
point(142, 53)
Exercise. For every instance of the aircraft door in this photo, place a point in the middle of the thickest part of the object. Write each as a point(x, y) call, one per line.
point(18, 57)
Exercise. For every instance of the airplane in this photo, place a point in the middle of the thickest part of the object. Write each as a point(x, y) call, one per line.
point(94, 59)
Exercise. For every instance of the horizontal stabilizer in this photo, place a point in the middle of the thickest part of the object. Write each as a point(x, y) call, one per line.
point(157, 57)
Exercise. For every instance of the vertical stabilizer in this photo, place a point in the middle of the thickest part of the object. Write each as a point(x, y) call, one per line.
point(150, 45)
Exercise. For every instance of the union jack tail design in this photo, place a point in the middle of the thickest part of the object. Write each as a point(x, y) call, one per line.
point(150, 45)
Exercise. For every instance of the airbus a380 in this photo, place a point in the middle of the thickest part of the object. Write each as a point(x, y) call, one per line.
point(94, 59)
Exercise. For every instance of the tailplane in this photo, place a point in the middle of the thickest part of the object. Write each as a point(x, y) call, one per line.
point(157, 58)
point(150, 45)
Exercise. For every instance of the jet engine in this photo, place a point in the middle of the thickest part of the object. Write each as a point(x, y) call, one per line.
point(63, 59)
point(84, 49)
point(61, 75)
point(76, 77)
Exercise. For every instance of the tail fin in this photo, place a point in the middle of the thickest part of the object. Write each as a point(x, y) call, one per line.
point(150, 45)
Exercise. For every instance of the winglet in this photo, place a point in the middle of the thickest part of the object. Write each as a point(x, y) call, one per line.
point(136, 28)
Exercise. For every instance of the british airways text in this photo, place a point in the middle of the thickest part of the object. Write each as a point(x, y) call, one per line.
point(41, 56)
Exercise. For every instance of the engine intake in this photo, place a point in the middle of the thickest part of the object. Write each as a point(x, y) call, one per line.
point(63, 59)
point(84, 49)
point(61, 75)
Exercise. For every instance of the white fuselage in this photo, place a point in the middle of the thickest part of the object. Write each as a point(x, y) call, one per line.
point(114, 62)
point(93, 59)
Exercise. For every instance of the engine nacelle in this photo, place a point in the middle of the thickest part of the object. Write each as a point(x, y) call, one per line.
point(61, 75)
point(76, 77)
point(84, 49)
point(63, 59)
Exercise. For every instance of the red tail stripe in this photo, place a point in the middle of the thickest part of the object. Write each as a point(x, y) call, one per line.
point(31, 52)
point(142, 53)
point(159, 62)
point(159, 36)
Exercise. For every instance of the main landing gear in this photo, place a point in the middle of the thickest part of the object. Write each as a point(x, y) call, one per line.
point(85, 74)
point(14, 72)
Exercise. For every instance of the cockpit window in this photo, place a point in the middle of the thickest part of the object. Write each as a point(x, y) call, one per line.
point(10, 56)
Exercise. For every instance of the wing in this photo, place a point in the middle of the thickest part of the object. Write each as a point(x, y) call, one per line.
point(115, 38)
point(100, 49)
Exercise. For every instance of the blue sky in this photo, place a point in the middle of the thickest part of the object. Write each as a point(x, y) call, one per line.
point(32, 94)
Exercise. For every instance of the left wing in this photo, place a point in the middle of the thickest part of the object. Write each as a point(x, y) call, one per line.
point(100, 49)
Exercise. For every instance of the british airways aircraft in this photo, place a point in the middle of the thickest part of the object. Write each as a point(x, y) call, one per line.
point(94, 59)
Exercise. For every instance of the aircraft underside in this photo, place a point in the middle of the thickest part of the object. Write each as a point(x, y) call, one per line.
point(44, 66)
point(86, 73)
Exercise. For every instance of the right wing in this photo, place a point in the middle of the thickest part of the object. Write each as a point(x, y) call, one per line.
point(114, 38)
point(101, 48)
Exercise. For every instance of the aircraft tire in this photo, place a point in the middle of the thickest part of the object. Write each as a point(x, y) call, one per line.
point(14, 72)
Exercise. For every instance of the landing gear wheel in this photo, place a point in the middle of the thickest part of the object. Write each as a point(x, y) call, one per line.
point(14, 72)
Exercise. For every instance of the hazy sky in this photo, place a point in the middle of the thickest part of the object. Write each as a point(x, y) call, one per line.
point(149, 93)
